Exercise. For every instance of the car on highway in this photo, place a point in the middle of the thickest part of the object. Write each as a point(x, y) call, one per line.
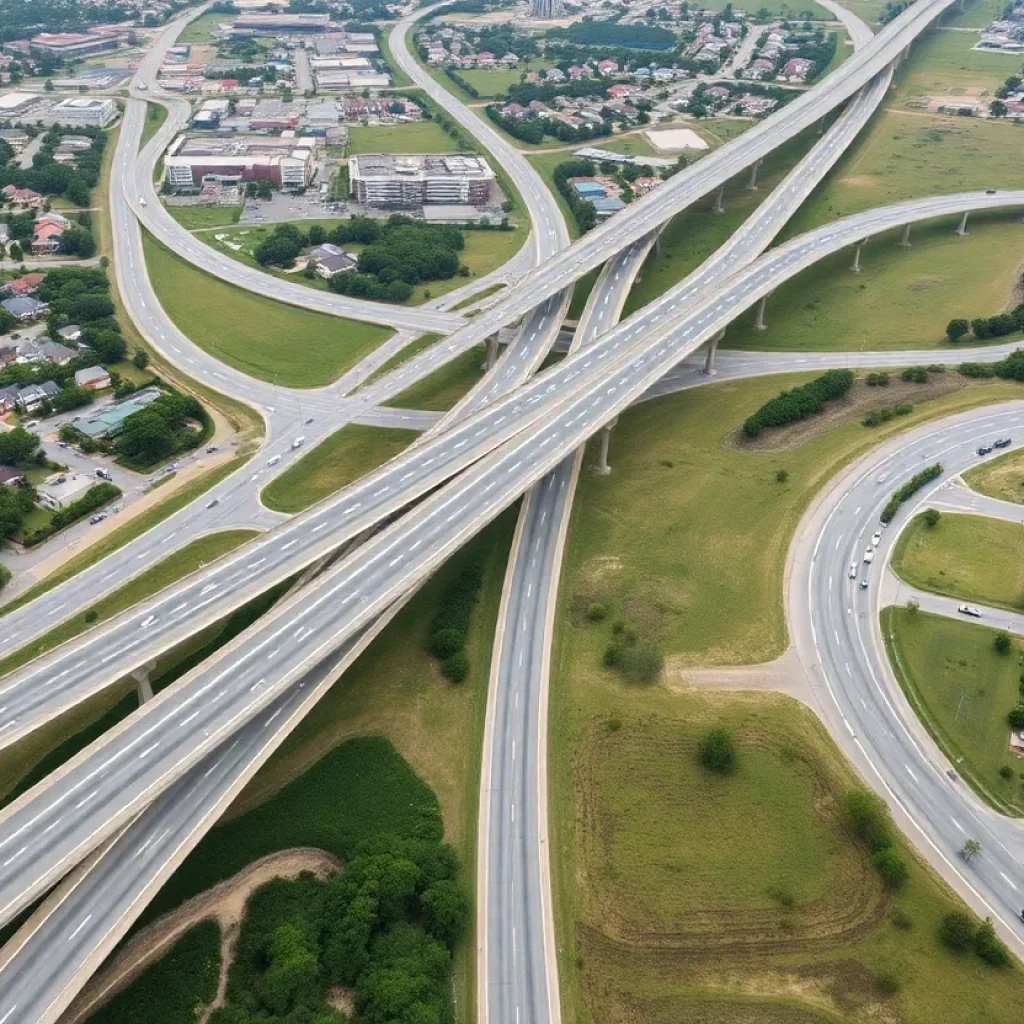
point(952, 774)
point(211, 449)
point(863, 584)
point(274, 460)
point(990, 191)
point(869, 554)
point(876, 538)
point(984, 449)
point(1002, 442)
point(297, 443)
point(853, 570)
point(214, 503)
point(969, 609)
point(142, 87)
point(98, 519)
point(142, 201)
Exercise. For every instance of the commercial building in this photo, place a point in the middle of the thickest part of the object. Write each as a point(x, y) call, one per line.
point(284, 162)
point(405, 182)
point(63, 491)
point(69, 45)
point(83, 112)
point(17, 103)
point(280, 24)
point(110, 421)
point(15, 138)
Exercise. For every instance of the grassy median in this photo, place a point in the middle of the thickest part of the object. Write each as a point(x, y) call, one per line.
point(962, 690)
point(971, 558)
point(1002, 477)
point(440, 390)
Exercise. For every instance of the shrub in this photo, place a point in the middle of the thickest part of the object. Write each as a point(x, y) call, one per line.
point(877, 380)
point(92, 615)
point(612, 655)
point(782, 476)
point(977, 370)
point(914, 375)
point(892, 867)
point(989, 947)
point(642, 663)
point(1016, 717)
point(613, 724)
point(1002, 643)
point(957, 328)
point(446, 642)
point(5, 576)
point(931, 517)
point(901, 919)
point(914, 484)
point(596, 611)
point(456, 667)
point(801, 402)
point(868, 817)
point(717, 751)
point(1006, 772)
point(957, 931)
point(888, 983)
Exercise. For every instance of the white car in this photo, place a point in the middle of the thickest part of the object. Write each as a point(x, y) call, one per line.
point(876, 538)
point(869, 554)
point(297, 443)
point(969, 609)
point(853, 571)
point(142, 202)
point(274, 461)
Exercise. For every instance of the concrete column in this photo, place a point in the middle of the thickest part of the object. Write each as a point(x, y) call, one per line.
point(657, 248)
point(856, 255)
point(821, 124)
point(962, 228)
point(759, 323)
point(905, 240)
point(752, 185)
point(603, 469)
point(709, 361)
point(492, 352)
point(142, 683)
point(719, 206)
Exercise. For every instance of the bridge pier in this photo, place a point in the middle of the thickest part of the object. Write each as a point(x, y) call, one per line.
point(856, 255)
point(752, 185)
point(602, 468)
point(821, 124)
point(709, 359)
point(905, 240)
point(759, 324)
point(962, 226)
point(142, 684)
point(719, 195)
point(492, 352)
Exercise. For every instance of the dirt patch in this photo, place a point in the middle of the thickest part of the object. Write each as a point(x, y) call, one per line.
point(225, 903)
point(342, 1000)
point(854, 406)
point(925, 284)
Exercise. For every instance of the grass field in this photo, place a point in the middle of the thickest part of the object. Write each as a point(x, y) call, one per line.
point(976, 13)
point(319, 789)
point(345, 456)
point(273, 341)
point(490, 83)
point(944, 64)
point(972, 558)
point(196, 217)
point(155, 117)
point(445, 386)
point(421, 137)
point(962, 691)
point(200, 29)
point(175, 988)
point(1002, 477)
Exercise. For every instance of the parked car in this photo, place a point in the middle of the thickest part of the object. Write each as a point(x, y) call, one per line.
point(1002, 442)
point(969, 609)
point(104, 474)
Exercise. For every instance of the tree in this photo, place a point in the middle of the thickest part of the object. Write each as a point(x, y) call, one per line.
point(642, 663)
point(892, 867)
point(140, 360)
point(446, 909)
point(957, 930)
point(293, 970)
point(15, 252)
point(109, 346)
point(317, 235)
point(782, 476)
point(988, 947)
point(956, 329)
point(997, 108)
point(17, 445)
point(913, 605)
point(48, 87)
point(1002, 643)
point(145, 437)
point(931, 517)
point(1016, 717)
point(717, 751)
point(970, 849)
point(77, 242)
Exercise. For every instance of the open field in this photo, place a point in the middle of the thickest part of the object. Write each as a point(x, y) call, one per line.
point(490, 83)
point(345, 456)
point(199, 30)
point(195, 217)
point(972, 558)
point(962, 691)
point(174, 567)
point(976, 13)
point(945, 64)
point(270, 340)
point(484, 251)
point(444, 387)
point(420, 137)
point(1002, 477)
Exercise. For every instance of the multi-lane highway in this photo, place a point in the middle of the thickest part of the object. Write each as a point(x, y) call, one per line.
point(52, 827)
point(836, 629)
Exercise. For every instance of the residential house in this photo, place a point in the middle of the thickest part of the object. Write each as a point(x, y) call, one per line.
point(486, 59)
point(95, 378)
point(71, 333)
point(329, 266)
point(608, 67)
point(8, 398)
point(45, 351)
point(15, 138)
point(22, 196)
point(760, 68)
point(555, 75)
point(26, 284)
point(24, 307)
point(11, 477)
point(796, 69)
point(63, 490)
point(46, 239)
point(32, 396)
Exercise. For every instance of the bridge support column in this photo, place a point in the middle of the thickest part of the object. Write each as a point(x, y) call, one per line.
point(709, 359)
point(759, 324)
point(492, 352)
point(603, 469)
point(905, 240)
point(821, 124)
point(142, 683)
point(962, 226)
point(752, 185)
point(856, 255)
point(719, 207)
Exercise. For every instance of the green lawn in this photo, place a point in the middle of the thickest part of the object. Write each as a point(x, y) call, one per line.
point(444, 387)
point(972, 558)
point(155, 117)
point(976, 14)
point(867, 10)
point(200, 29)
point(420, 137)
point(962, 691)
point(345, 456)
point(491, 84)
point(945, 64)
point(188, 559)
point(270, 340)
point(195, 217)
point(1002, 477)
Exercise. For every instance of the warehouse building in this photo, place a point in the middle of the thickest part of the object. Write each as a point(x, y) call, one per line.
point(406, 182)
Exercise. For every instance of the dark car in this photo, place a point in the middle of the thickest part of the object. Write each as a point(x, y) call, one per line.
point(1003, 442)
point(985, 449)
point(990, 191)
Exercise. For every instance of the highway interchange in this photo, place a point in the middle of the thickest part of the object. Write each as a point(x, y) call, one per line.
point(684, 324)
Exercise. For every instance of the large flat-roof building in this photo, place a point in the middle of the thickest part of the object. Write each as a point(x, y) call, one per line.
point(83, 112)
point(13, 103)
point(73, 44)
point(287, 163)
point(280, 24)
point(405, 182)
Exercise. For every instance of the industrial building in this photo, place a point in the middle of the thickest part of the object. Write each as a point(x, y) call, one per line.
point(280, 24)
point(82, 112)
point(284, 162)
point(70, 45)
point(406, 182)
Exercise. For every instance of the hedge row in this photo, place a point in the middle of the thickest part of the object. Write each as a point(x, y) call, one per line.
point(915, 483)
point(1010, 368)
point(801, 402)
point(94, 498)
point(450, 628)
point(869, 819)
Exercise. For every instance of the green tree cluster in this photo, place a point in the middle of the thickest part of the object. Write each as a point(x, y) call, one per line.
point(450, 629)
point(799, 403)
point(963, 933)
point(582, 209)
point(868, 819)
point(638, 661)
point(914, 484)
point(161, 429)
